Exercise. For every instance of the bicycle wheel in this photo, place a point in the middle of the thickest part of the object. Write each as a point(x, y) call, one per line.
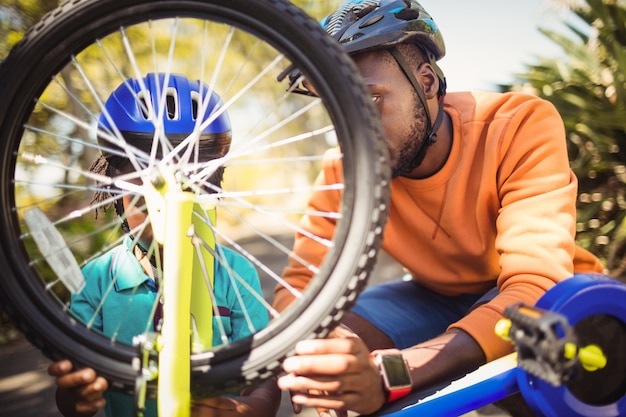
point(54, 84)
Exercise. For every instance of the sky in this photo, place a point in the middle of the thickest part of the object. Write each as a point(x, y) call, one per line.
point(487, 41)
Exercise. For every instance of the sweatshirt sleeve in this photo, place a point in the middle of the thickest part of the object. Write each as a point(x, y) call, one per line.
point(536, 221)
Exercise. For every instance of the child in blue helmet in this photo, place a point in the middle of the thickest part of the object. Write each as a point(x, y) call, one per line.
point(129, 269)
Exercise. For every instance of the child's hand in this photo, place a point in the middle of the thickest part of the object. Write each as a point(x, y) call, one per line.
point(79, 393)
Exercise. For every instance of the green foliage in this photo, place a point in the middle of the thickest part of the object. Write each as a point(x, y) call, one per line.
point(16, 16)
point(318, 9)
point(589, 90)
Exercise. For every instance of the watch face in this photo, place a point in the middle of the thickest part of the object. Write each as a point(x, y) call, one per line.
point(395, 372)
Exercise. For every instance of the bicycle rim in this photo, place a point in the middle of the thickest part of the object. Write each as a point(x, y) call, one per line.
point(54, 84)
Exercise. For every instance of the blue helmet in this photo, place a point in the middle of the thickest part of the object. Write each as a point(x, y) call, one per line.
point(130, 105)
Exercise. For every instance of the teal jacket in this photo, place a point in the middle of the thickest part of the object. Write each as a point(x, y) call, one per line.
point(119, 296)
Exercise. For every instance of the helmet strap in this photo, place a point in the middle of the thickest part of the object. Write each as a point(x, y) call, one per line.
point(431, 134)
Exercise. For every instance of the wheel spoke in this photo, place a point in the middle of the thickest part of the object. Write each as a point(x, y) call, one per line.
point(63, 154)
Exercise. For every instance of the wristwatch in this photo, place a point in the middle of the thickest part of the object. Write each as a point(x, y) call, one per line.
point(395, 375)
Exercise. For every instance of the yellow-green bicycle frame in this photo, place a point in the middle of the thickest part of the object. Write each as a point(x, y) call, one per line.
point(176, 217)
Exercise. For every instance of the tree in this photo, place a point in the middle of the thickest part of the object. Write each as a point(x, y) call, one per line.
point(16, 16)
point(589, 90)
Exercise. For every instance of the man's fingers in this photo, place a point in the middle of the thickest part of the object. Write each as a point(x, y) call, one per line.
point(340, 402)
point(297, 408)
point(325, 412)
point(335, 364)
point(347, 345)
point(332, 374)
point(328, 401)
point(295, 383)
point(221, 403)
point(303, 384)
point(342, 331)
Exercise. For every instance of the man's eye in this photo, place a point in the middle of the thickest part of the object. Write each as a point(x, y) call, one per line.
point(375, 98)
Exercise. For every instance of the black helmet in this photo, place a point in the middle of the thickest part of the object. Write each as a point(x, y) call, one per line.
point(367, 25)
point(363, 25)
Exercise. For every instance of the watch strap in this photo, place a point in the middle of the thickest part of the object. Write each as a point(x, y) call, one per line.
point(397, 394)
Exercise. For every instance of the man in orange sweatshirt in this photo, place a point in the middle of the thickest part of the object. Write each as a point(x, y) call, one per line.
point(482, 216)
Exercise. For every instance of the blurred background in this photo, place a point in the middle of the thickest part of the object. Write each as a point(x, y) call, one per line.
point(569, 52)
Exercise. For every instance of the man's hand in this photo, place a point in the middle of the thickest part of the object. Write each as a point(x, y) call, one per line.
point(337, 373)
point(261, 401)
point(220, 406)
point(79, 393)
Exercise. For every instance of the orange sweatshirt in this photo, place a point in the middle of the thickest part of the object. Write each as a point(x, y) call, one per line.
point(500, 212)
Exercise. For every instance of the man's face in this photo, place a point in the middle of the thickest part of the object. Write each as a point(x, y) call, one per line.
point(402, 115)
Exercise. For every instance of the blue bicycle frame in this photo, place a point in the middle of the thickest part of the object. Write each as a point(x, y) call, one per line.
point(578, 298)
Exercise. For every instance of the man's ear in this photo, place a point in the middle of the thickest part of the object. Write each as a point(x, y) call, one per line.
point(427, 77)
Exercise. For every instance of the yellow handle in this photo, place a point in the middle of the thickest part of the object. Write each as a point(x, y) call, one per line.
point(503, 328)
point(591, 357)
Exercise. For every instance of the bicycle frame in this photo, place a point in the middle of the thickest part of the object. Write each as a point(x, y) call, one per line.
point(176, 217)
point(174, 372)
point(576, 299)
point(488, 384)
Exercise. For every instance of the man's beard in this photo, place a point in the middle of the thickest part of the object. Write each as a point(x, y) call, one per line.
point(408, 155)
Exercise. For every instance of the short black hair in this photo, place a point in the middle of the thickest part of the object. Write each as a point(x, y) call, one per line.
point(414, 54)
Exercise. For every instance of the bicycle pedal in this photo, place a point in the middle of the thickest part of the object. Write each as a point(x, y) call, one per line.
point(544, 341)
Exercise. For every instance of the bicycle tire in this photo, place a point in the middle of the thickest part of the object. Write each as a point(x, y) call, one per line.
point(50, 47)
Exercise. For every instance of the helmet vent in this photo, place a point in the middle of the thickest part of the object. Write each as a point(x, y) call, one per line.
point(143, 99)
point(195, 104)
point(408, 14)
point(349, 13)
point(371, 21)
point(171, 104)
point(367, 9)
